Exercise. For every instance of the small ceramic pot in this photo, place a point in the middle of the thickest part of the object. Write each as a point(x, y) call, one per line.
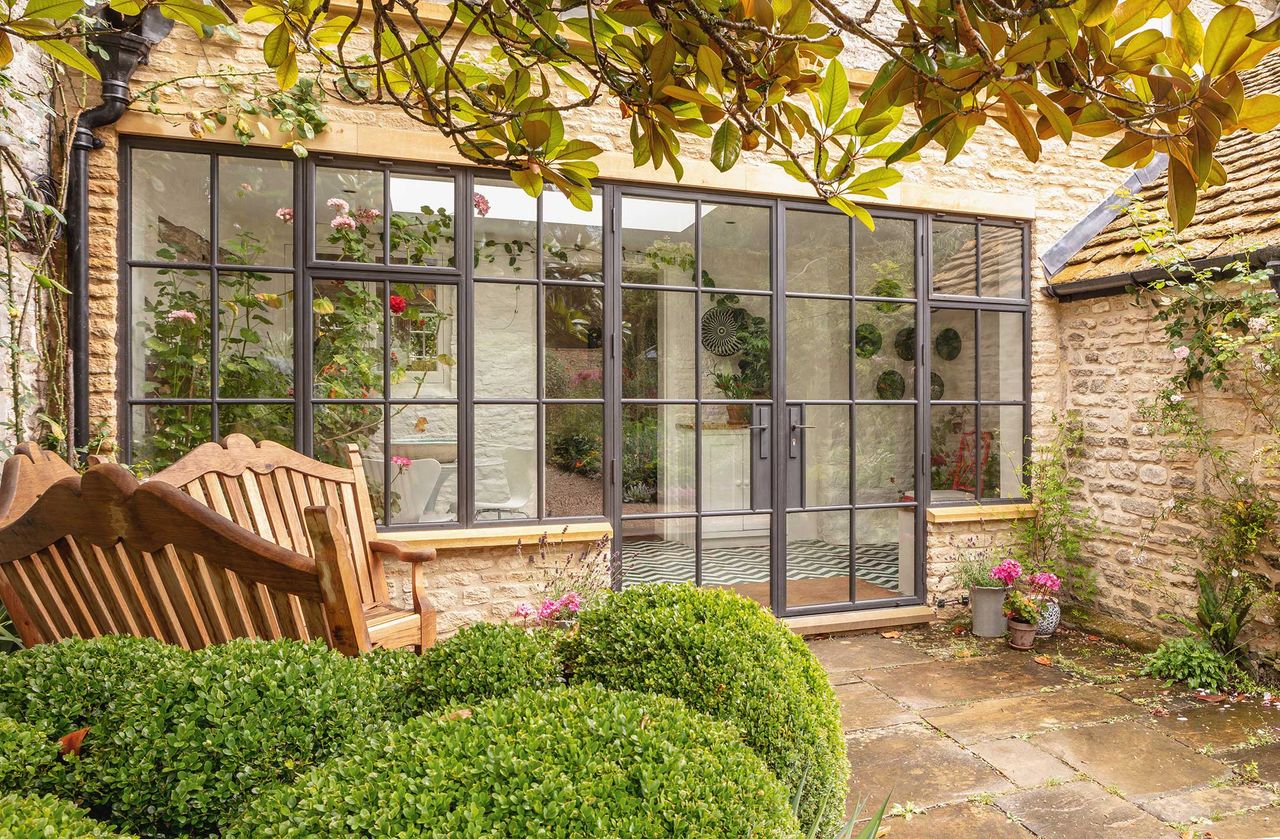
point(1022, 636)
point(1050, 616)
point(987, 605)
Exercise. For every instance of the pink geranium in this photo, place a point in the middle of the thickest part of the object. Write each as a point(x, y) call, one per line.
point(1044, 583)
point(338, 206)
point(367, 215)
point(480, 203)
point(285, 214)
point(343, 223)
point(1007, 572)
point(524, 610)
point(182, 314)
point(401, 461)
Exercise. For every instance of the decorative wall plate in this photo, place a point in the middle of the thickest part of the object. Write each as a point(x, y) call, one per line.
point(948, 344)
point(904, 343)
point(890, 385)
point(720, 331)
point(867, 340)
point(937, 386)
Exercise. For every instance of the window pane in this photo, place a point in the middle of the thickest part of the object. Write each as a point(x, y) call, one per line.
point(572, 239)
point(169, 216)
point(818, 557)
point(817, 252)
point(657, 344)
point(952, 345)
point(348, 212)
point(955, 261)
point(164, 433)
point(885, 455)
point(337, 426)
point(1001, 261)
point(574, 452)
point(260, 422)
point(506, 230)
point(506, 461)
point(735, 458)
point(953, 457)
point(574, 356)
point(255, 211)
point(739, 364)
point(172, 331)
point(817, 348)
point(735, 246)
point(887, 258)
point(658, 551)
point(1001, 356)
point(505, 326)
point(884, 348)
point(825, 454)
point(424, 463)
point(255, 335)
point(1002, 450)
point(424, 343)
point(422, 221)
point(657, 241)
point(347, 339)
point(885, 559)
point(658, 456)
point(735, 555)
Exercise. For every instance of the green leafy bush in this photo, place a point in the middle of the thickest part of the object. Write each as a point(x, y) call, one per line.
point(46, 817)
point(1194, 661)
point(29, 760)
point(725, 656)
point(217, 727)
point(579, 761)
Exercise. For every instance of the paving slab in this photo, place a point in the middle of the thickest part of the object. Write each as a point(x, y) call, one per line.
point(1255, 825)
point(1209, 803)
point(912, 763)
point(1022, 762)
point(1081, 809)
point(1134, 757)
point(1224, 726)
point(1010, 715)
point(862, 706)
point(1265, 758)
point(845, 655)
point(1099, 660)
point(936, 684)
point(958, 820)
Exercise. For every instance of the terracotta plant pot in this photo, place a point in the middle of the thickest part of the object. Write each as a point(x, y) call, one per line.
point(987, 605)
point(1022, 636)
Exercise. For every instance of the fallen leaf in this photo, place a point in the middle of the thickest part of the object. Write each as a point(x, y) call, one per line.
point(959, 630)
point(1043, 659)
point(892, 633)
point(70, 744)
point(1092, 638)
point(1159, 712)
point(1210, 697)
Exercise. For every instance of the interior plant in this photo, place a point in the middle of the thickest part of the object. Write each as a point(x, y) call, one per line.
point(986, 594)
point(1023, 613)
point(751, 374)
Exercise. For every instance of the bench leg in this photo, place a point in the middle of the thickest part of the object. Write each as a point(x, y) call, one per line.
point(423, 606)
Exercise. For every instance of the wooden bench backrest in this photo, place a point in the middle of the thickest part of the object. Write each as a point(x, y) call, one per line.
point(266, 487)
point(102, 554)
point(26, 475)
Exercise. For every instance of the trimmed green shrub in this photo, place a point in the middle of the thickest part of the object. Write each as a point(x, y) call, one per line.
point(724, 655)
point(580, 761)
point(29, 760)
point(62, 687)
point(216, 728)
point(45, 817)
point(1194, 661)
point(485, 661)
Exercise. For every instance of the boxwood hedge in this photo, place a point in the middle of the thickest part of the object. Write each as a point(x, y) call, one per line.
point(29, 760)
point(46, 817)
point(724, 655)
point(579, 761)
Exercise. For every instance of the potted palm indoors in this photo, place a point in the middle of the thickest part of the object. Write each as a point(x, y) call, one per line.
point(986, 596)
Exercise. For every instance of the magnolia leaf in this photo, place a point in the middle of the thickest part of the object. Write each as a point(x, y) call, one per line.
point(287, 72)
point(276, 47)
point(571, 81)
point(1260, 113)
point(1182, 193)
point(536, 132)
point(832, 94)
point(1189, 33)
point(57, 10)
point(70, 56)
point(323, 306)
point(726, 145)
point(1269, 30)
point(1131, 148)
point(1016, 123)
point(1043, 43)
point(6, 49)
point(1050, 111)
point(875, 181)
point(529, 181)
point(851, 209)
point(1226, 39)
point(263, 13)
point(1095, 12)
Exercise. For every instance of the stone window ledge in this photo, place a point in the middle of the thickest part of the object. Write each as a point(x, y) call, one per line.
point(981, 512)
point(484, 537)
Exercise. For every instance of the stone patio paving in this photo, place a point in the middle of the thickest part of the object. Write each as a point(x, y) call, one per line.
point(969, 738)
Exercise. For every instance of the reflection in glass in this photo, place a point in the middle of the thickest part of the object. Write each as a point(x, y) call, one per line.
point(659, 551)
point(572, 239)
point(886, 258)
point(347, 339)
point(955, 258)
point(574, 358)
point(825, 447)
point(735, 459)
point(885, 557)
point(169, 212)
point(885, 454)
point(738, 364)
point(506, 340)
point(952, 343)
point(164, 433)
point(1003, 434)
point(348, 212)
point(259, 422)
point(506, 230)
point(574, 452)
point(255, 335)
point(1001, 261)
point(736, 246)
point(735, 555)
point(1001, 356)
point(423, 463)
point(255, 211)
point(818, 557)
point(171, 331)
point(817, 252)
point(424, 344)
point(817, 348)
point(658, 452)
point(657, 241)
point(422, 221)
point(884, 350)
point(954, 455)
point(506, 461)
point(657, 344)
point(337, 426)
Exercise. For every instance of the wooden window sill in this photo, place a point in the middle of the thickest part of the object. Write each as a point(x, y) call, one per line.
point(486, 537)
point(981, 512)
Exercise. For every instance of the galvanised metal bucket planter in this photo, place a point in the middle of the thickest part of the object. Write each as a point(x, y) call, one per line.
point(987, 605)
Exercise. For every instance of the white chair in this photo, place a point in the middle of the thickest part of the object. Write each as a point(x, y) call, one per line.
point(519, 466)
point(414, 487)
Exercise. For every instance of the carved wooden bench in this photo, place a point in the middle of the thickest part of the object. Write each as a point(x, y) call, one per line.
point(26, 475)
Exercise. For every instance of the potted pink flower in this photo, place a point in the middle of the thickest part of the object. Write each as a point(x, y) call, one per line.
point(1023, 613)
point(1044, 585)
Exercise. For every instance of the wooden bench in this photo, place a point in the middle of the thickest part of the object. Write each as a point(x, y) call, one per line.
point(26, 475)
point(267, 487)
point(103, 554)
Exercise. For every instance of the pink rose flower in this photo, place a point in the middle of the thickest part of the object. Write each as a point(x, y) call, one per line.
point(338, 206)
point(401, 461)
point(343, 223)
point(1181, 353)
point(182, 314)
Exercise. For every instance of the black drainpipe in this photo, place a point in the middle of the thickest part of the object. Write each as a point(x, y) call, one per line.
point(121, 51)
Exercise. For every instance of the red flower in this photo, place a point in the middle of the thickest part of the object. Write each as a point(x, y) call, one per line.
point(398, 304)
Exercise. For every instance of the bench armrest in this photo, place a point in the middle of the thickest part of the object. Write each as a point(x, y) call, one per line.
point(395, 550)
